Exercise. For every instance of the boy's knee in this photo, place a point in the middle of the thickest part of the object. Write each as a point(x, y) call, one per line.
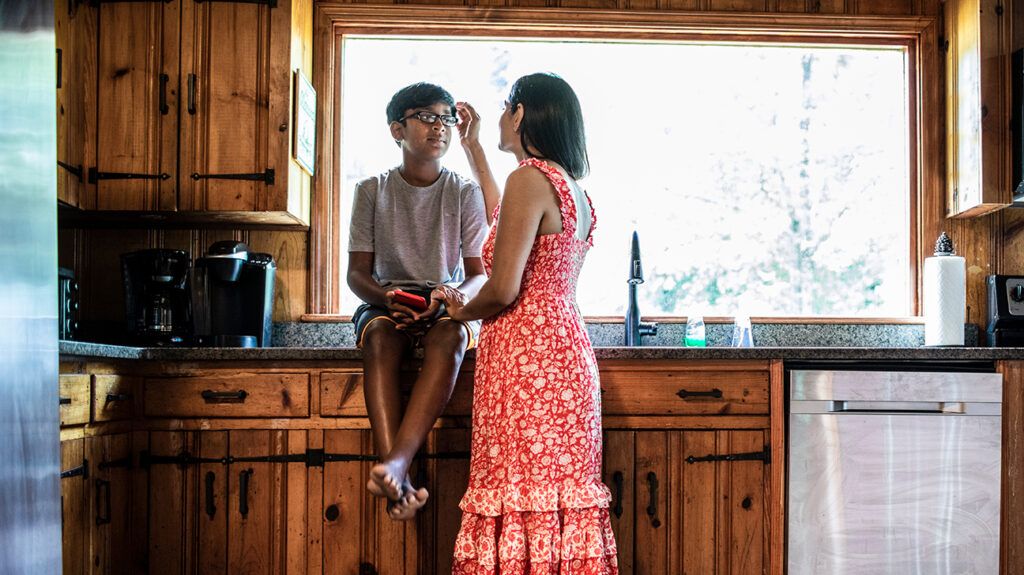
point(448, 335)
point(380, 335)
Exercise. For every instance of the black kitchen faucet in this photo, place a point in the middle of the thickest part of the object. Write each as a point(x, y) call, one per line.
point(635, 328)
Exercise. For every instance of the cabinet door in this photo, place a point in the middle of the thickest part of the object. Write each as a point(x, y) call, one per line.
point(978, 95)
point(75, 29)
point(348, 509)
point(446, 478)
point(165, 503)
point(254, 488)
point(110, 516)
point(721, 507)
point(227, 80)
point(73, 505)
point(136, 106)
point(210, 503)
point(619, 475)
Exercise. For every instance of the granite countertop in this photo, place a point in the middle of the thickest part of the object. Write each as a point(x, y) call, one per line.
point(789, 341)
point(94, 350)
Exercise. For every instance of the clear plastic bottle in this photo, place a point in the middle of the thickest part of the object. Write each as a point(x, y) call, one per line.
point(742, 334)
point(695, 332)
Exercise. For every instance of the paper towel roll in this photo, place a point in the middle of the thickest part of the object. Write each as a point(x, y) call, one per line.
point(945, 296)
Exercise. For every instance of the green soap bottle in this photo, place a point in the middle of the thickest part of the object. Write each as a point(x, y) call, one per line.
point(695, 332)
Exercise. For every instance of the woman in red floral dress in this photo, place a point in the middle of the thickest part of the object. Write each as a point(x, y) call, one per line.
point(535, 503)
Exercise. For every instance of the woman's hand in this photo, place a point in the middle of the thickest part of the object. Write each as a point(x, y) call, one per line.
point(469, 123)
point(453, 300)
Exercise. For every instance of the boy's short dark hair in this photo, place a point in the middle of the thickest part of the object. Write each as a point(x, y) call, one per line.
point(418, 95)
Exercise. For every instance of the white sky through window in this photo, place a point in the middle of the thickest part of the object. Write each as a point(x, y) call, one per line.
point(769, 180)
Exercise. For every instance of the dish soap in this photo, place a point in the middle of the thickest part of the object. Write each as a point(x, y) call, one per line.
point(694, 336)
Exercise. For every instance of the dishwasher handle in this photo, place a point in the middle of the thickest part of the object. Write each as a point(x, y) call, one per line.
point(951, 407)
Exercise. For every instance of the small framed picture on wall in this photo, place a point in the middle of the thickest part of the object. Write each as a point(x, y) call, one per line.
point(304, 134)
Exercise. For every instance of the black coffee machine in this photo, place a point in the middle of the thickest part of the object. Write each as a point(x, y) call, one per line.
point(1005, 311)
point(233, 296)
point(156, 296)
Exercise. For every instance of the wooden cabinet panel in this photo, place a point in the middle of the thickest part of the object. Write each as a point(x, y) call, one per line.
point(73, 506)
point(237, 395)
point(347, 507)
point(75, 31)
point(74, 399)
point(136, 112)
point(225, 60)
point(978, 94)
point(684, 392)
point(211, 504)
point(341, 393)
point(619, 476)
point(110, 518)
point(252, 492)
point(439, 522)
point(113, 397)
point(165, 505)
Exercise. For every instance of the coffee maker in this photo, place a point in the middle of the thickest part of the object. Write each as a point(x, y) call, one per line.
point(233, 296)
point(1005, 311)
point(157, 295)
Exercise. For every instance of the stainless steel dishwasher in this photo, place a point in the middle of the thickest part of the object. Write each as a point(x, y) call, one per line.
point(893, 472)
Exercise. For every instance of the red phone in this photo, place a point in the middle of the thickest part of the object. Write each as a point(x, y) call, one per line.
point(416, 302)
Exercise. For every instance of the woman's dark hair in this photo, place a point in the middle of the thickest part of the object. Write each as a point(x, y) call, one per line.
point(418, 95)
point(552, 121)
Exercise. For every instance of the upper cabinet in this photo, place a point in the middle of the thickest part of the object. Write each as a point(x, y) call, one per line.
point(978, 95)
point(193, 109)
point(75, 30)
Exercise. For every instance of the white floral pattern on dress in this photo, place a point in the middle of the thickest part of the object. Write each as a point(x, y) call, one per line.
point(535, 503)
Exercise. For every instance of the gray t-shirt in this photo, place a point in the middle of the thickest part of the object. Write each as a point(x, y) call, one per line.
point(418, 235)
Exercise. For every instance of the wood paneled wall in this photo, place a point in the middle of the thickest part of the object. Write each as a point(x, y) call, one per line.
point(94, 254)
point(991, 244)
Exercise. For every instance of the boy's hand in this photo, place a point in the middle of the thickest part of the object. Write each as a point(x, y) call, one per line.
point(469, 123)
point(402, 314)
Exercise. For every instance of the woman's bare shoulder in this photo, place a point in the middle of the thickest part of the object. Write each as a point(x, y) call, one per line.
point(527, 181)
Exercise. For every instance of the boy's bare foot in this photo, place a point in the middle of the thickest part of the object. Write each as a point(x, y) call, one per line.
point(384, 481)
point(411, 502)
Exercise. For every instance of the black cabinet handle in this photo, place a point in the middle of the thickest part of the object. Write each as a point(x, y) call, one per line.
point(112, 397)
point(192, 94)
point(64, 400)
point(617, 481)
point(652, 507)
point(211, 509)
point(60, 63)
point(684, 394)
point(164, 108)
point(102, 494)
point(243, 491)
point(211, 396)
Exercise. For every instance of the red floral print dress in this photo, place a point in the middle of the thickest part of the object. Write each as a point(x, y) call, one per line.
point(535, 503)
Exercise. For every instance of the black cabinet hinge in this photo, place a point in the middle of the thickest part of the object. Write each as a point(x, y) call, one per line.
point(80, 471)
point(270, 3)
point(266, 176)
point(764, 456)
point(95, 176)
point(311, 457)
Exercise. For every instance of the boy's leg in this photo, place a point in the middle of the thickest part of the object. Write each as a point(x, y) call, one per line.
point(444, 346)
point(383, 347)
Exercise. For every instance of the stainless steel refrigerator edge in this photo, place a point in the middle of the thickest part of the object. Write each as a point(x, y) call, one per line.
point(892, 473)
point(30, 520)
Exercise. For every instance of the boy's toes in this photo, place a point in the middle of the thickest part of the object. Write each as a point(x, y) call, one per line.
point(385, 481)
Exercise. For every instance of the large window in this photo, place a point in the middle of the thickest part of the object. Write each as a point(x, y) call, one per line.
point(766, 179)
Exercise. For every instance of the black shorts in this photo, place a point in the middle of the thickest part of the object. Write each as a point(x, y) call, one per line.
point(367, 314)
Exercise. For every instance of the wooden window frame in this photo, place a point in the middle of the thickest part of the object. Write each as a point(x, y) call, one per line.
point(332, 21)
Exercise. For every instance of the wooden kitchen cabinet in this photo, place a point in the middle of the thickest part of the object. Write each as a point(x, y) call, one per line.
point(229, 488)
point(74, 25)
point(978, 38)
point(74, 478)
point(193, 109)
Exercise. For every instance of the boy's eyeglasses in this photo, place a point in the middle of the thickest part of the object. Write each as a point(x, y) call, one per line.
point(428, 118)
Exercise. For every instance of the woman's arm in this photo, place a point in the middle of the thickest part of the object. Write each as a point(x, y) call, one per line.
point(469, 137)
point(527, 198)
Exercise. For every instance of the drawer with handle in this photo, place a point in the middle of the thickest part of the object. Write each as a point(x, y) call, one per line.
point(73, 396)
point(685, 391)
point(228, 395)
point(113, 397)
point(341, 393)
